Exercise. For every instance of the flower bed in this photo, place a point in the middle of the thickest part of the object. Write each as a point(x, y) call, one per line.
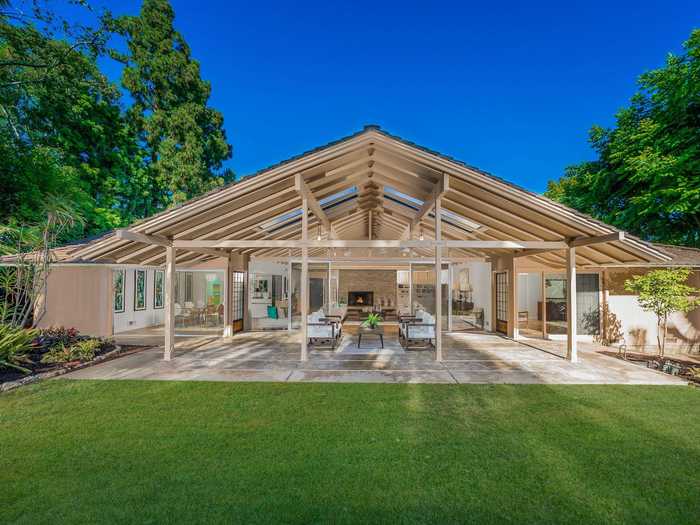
point(56, 348)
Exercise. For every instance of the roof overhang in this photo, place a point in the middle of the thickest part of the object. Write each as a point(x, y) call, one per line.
point(372, 191)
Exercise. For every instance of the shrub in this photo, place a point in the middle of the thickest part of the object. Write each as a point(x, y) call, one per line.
point(57, 336)
point(80, 351)
point(85, 350)
point(15, 343)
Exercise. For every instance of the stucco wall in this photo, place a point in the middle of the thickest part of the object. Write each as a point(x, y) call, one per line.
point(79, 297)
point(639, 327)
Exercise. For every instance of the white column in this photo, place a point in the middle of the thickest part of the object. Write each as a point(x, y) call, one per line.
point(449, 297)
point(513, 331)
point(169, 320)
point(571, 305)
point(438, 281)
point(544, 306)
point(289, 293)
point(304, 279)
point(228, 299)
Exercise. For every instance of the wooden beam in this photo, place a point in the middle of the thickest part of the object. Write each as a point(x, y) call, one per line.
point(586, 241)
point(128, 235)
point(312, 204)
point(391, 243)
point(441, 187)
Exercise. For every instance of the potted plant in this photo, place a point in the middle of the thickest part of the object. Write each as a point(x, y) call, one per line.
point(372, 321)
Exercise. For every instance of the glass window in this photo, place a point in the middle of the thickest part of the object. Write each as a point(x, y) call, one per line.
point(139, 289)
point(159, 289)
point(118, 289)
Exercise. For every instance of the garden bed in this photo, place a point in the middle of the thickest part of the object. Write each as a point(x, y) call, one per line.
point(687, 368)
point(56, 351)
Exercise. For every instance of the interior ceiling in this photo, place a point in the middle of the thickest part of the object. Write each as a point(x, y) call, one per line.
point(370, 186)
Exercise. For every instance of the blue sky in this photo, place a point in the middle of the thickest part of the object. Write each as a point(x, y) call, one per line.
point(510, 87)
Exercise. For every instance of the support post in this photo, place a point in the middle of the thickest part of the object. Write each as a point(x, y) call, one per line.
point(289, 292)
point(513, 329)
point(169, 303)
point(438, 281)
point(304, 278)
point(571, 354)
point(544, 307)
point(228, 297)
point(449, 296)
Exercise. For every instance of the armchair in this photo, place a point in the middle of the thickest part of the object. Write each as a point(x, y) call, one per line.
point(326, 329)
point(418, 328)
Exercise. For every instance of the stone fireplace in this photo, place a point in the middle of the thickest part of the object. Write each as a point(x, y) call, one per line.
point(360, 298)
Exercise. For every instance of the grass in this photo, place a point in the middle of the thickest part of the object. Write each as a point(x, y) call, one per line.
point(154, 452)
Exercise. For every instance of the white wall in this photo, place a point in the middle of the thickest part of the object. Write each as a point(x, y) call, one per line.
point(639, 327)
point(130, 319)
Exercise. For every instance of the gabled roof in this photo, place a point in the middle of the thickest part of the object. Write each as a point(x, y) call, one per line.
point(373, 183)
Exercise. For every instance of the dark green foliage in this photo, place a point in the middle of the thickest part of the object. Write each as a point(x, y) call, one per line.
point(647, 176)
point(61, 126)
point(207, 452)
point(183, 139)
point(64, 130)
point(15, 344)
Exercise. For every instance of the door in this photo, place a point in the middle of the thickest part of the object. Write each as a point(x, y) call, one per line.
point(502, 302)
point(315, 294)
point(237, 301)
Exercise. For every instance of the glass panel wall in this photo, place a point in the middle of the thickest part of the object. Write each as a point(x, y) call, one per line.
point(267, 297)
point(555, 290)
point(471, 296)
point(423, 288)
point(199, 299)
point(530, 304)
point(320, 285)
point(587, 303)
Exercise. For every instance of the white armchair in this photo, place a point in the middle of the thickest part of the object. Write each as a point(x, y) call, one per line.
point(323, 329)
point(421, 328)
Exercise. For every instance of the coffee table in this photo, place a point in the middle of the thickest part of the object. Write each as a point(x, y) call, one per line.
point(366, 330)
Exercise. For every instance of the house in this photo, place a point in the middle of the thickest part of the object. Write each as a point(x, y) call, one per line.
point(361, 225)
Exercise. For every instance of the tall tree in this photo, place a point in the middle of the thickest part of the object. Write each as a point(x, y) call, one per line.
point(646, 178)
point(182, 137)
point(62, 131)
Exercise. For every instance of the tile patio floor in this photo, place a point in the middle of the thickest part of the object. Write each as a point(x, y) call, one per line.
point(468, 358)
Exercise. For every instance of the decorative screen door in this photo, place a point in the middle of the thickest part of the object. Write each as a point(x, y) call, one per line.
point(237, 301)
point(502, 302)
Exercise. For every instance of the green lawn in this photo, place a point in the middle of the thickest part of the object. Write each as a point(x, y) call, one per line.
point(123, 451)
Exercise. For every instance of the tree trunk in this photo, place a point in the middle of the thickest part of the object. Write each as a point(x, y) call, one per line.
point(663, 341)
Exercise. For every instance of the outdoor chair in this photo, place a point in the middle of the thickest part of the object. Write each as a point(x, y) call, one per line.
point(181, 316)
point(417, 329)
point(322, 329)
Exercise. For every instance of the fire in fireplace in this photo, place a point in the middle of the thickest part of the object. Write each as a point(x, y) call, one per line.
point(360, 298)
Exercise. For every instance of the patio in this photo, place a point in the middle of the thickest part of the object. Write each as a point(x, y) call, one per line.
point(469, 358)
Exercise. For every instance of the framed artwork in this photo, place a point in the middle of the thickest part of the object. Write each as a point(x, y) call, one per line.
point(158, 289)
point(139, 290)
point(118, 290)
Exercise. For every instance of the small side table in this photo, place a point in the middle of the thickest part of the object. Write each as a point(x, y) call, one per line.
point(366, 330)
